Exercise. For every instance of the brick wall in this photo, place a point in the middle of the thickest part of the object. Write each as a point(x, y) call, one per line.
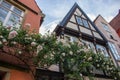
point(115, 23)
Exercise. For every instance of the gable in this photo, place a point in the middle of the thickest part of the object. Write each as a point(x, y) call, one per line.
point(78, 21)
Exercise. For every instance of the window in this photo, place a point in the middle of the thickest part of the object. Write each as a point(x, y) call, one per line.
point(105, 26)
point(85, 23)
point(114, 51)
point(111, 36)
point(102, 50)
point(82, 22)
point(79, 20)
point(74, 39)
point(89, 45)
point(71, 38)
point(10, 15)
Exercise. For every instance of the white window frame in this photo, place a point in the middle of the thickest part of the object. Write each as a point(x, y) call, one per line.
point(79, 20)
point(10, 11)
point(114, 50)
point(85, 23)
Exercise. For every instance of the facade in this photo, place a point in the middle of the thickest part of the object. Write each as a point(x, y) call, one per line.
point(111, 36)
point(21, 12)
point(115, 23)
point(76, 26)
point(16, 14)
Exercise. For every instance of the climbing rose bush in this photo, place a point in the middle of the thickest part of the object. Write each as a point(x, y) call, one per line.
point(73, 59)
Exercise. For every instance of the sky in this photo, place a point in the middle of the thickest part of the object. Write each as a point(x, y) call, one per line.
point(57, 9)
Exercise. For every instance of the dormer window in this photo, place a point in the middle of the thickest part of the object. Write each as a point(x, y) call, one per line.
point(10, 15)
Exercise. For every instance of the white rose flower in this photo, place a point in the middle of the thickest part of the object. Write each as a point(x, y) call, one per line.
point(28, 24)
point(81, 74)
point(12, 34)
point(20, 52)
point(115, 78)
point(39, 48)
point(90, 58)
point(98, 65)
point(63, 54)
point(26, 35)
point(33, 44)
point(45, 56)
point(4, 40)
point(0, 42)
point(71, 53)
point(1, 36)
point(14, 42)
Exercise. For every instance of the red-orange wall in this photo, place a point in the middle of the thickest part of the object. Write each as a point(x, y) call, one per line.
point(19, 75)
point(33, 19)
point(115, 23)
point(33, 14)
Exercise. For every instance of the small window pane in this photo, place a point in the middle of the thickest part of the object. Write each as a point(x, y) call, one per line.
point(102, 50)
point(14, 20)
point(3, 14)
point(74, 39)
point(18, 11)
point(114, 51)
point(79, 20)
point(106, 27)
point(5, 4)
point(85, 23)
point(89, 45)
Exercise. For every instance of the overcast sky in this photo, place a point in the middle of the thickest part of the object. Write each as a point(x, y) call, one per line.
point(57, 9)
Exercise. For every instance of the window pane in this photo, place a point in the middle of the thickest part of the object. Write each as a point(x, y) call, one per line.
point(3, 14)
point(89, 45)
point(18, 11)
point(114, 51)
point(102, 50)
point(85, 23)
point(14, 20)
point(79, 20)
point(5, 4)
point(74, 39)
point(106, 27)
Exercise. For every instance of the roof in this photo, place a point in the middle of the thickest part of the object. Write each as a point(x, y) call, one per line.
point(72, 10)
